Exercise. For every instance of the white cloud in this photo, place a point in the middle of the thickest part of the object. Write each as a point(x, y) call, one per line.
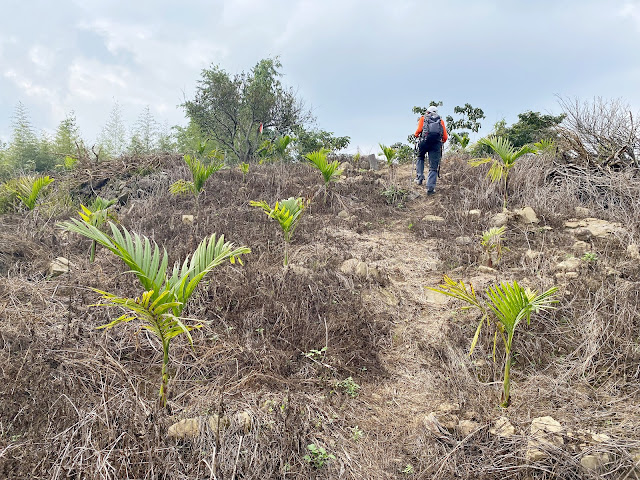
point(632, 10)
point(42, 57)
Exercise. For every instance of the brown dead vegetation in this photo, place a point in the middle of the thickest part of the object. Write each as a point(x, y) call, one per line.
point(80, 403)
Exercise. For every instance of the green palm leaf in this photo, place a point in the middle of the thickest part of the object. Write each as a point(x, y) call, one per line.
point(507, 157)
point(510, 304)
point(27, 189)
point(330, 171)
point(210, 253)
point(161, 304)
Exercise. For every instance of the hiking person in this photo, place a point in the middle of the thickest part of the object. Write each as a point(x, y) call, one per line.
point(431, 134)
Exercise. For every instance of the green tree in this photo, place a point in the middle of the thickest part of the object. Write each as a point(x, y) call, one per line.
point(469, 118)
point(531, 127)
point(113, 136)
point(312, 140)
point(422, 110)
point(233, 111)
point(144, 138)
point(67, 141)
point(166, 140)
point(189, 139)
point(23, 146)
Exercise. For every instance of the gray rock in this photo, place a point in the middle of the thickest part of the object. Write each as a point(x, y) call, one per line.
point(595, 461)
point(346, 167)
point(580, 247)
point(362, 270)
point(500, 219)
point(246, 420)
point(545, 434)
point(57, 267)
point(474, 213)
point(192, 427)
point(343, 214)
point(467, 427)
point(298, 270)
point(633, 251)
point(582, 212)
point(485, 269)
point(464, 240)
point(349, 266)
point(583, 234)
point(527, 215)
point(569, 265)
point(502, 428)
point(187, 219)
point(372, 161)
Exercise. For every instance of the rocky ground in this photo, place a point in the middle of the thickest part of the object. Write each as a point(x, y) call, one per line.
point(345, 348)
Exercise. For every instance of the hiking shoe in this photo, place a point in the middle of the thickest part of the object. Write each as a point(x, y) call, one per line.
point(418, 181)
point(431, 192)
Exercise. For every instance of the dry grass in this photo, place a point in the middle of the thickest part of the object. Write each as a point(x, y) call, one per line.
point(81, 403)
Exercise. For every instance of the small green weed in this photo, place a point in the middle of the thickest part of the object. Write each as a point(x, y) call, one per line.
point(315, 354)
point(349, 387)
point(395, 196)
point(356, 433)
point(317, 456)
point(408, 469)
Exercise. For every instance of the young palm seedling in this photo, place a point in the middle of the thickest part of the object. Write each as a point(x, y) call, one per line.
point(389, 154)
point(96, 214)
point(165, 295)
point(244, 168)
point(330, 170)
point(507, 157)
point(200, 170)
point(463, 140)
point(287, 213)
point(507, 304)
point(28, 189)
point(491, 241)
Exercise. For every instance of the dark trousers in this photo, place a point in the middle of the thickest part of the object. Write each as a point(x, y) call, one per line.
point(435, 155)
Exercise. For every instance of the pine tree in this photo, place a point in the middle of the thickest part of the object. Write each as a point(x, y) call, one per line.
point(166, 139)
point(67, 140)
point(145, 134)
point(113, 136)
point(23, 147)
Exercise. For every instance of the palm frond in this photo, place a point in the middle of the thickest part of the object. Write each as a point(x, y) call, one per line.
point(286, 212)
point(330, 171)
point(181, 187)
point(210, 253)
point(388, 152)
point(28, 188)
point(141, 255)
point(202, 171)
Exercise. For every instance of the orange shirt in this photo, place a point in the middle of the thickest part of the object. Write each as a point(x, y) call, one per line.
point(445, 136)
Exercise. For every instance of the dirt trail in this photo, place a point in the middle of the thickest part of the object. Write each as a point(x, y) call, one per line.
point(410, 263)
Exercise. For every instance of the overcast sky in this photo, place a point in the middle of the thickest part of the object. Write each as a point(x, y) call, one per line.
point(361, 65)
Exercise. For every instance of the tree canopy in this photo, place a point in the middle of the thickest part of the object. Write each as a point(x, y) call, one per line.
point(234, 110)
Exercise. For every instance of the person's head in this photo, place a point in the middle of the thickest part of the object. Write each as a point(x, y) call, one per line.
point(432, 110)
